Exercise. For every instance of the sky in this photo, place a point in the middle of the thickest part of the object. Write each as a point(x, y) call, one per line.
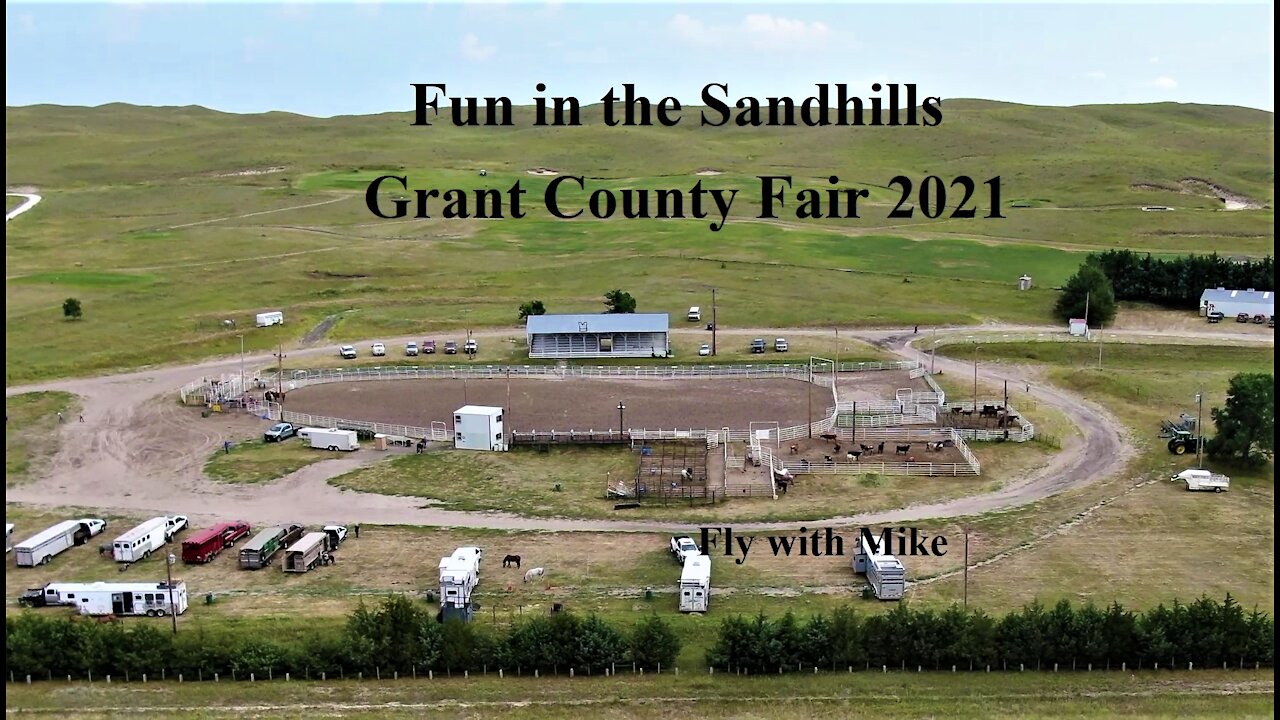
point(360, 58)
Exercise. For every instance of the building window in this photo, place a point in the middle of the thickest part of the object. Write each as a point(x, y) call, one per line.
point(497, 436)
point(498, 419)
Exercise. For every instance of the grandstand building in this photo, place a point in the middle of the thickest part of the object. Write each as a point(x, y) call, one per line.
point(598, 336)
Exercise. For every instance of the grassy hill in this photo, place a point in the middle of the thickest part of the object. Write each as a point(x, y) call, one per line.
point(151, 222)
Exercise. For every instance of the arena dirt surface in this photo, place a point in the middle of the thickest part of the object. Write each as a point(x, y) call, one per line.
point(571, 403)
point(138, 451)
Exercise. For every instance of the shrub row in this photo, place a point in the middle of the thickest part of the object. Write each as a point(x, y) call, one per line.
point(397, 636)
point(1178, 282)
point(1205, 632)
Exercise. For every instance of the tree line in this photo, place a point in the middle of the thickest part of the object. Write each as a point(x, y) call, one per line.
point(1205, 632)
point(1176, 282)
point(399, 635)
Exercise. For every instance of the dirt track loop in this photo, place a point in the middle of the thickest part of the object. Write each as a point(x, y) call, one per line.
point(138, 452)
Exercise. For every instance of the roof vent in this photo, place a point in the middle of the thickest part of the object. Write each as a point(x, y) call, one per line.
point(1221, 287)
point(1249, 290)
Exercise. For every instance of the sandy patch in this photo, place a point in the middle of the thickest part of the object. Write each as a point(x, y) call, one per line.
point(708, 172)
point(253, 171)
point(542, 172)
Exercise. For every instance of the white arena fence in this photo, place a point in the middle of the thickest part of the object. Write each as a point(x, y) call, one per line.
point(438, 431)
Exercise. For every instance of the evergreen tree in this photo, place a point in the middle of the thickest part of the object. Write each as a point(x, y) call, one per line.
point(1246, 425)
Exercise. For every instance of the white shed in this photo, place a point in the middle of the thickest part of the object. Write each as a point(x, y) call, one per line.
point(1078, 327)
point(1024, 282)
point(478, 427)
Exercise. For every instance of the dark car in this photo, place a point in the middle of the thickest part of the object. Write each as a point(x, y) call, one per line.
point(757, 345)
point(429, 347)
point(450, 348)
point(1242, 318)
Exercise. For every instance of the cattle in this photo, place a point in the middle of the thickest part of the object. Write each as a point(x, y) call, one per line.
point(902, 449)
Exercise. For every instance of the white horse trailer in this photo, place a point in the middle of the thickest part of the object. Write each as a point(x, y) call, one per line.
point(141, 541)
point(267, 319)
point(41, 547)
point(695, 584)
point(8, 537)
point(126, 598)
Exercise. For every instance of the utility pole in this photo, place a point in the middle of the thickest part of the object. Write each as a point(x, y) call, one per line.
point(1006, 397)
point(975, 375)
point(837, 369)
point(280, 372)
point(810, 392)
point(853, 431)
point(1199, 429)
point(242, 387)
point(1099, 350)
point(966, 567)
point(621, 422)
point(1086, 313)
point(173, 610)
point(933, 351)
point(715, 327)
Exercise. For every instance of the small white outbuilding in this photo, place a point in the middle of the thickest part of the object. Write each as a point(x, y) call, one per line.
point(1078, 327)
point(479, 427)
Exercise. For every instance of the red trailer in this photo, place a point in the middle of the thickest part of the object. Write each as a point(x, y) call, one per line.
point(205, 545)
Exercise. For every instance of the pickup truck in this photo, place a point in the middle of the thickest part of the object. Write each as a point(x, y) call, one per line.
point(173, 525)
point(450, 347)
point(411, 349)
point(347, 352)
point(683, 548)
point(470, 347)
point(429, 347)
point(780, 345)
point(757, 345)
point(279, 432)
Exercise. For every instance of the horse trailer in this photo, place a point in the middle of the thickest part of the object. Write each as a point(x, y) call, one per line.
point(257, 553)
point(126, 598)
point(8, 537)
point(303, 555)
point(141, 541)
point(41, 547)
point(695, 584)
point(885, 573)
point(459, 575)
point(204, 546)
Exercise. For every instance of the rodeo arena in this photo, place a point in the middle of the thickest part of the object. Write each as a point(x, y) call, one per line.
point(700, 433)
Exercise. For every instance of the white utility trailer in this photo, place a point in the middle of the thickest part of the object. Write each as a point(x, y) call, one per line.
point(267, 319)
point(41, 547)
point(331, 438)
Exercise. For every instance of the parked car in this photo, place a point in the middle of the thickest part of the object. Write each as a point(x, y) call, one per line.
point(1271, 321)
point(470, 347)
point(279, 432)
point(1259, 319)
point(347, 352)
point(780, 345)
point(174, 524)
point(429, 347)
point(411, 349)
point(704, 349)
point(757, 345)
point(1215, 317)
point(379, 350)
point(1242, 318)
point(450, 347)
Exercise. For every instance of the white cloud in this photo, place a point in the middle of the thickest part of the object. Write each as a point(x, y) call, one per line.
point(759, 31)
point(1153, 60)
point(1095, 75)
point(1164, 83)
point(472, 49)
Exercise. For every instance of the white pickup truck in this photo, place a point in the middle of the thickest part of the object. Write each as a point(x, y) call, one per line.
point(683, 548)
point(1203, 480)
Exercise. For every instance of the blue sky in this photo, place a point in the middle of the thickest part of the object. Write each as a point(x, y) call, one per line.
point(332, 59)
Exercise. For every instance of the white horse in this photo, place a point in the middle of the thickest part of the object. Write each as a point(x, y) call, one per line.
point(534, 573)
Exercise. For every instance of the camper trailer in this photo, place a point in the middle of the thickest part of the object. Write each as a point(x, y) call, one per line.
point(141, 541)
point(125, 598)
point(459, 575)
point(695, 584)
point(304, 554)
point(41, 547)
point(267, 319)
point(330, 438)
point(257, 553)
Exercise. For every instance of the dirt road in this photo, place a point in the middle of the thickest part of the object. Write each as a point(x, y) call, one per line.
point(137, 451)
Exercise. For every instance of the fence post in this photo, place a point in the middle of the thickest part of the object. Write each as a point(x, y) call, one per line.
point(251, 678)
point(144, 677)
point(215, 677)
point(286, 677)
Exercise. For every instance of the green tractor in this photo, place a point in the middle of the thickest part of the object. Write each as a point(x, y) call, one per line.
point(1181, 435)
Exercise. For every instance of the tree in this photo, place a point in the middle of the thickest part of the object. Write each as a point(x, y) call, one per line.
point(533, 307)
point(1246, 425)
point(71, 309)
point(654, 643)
point(1089, 286)
point(619, 301)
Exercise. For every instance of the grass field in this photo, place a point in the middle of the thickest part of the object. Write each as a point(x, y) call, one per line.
point(31, 431)
point(1239, 694)
point(255, 461)
point(151, 266)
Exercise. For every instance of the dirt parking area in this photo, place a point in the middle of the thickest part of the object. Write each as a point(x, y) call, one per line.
point(571, 404)
point(879, 386)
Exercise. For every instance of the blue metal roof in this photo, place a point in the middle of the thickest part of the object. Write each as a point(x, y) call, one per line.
point(1251, 297)
point(598, 323)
